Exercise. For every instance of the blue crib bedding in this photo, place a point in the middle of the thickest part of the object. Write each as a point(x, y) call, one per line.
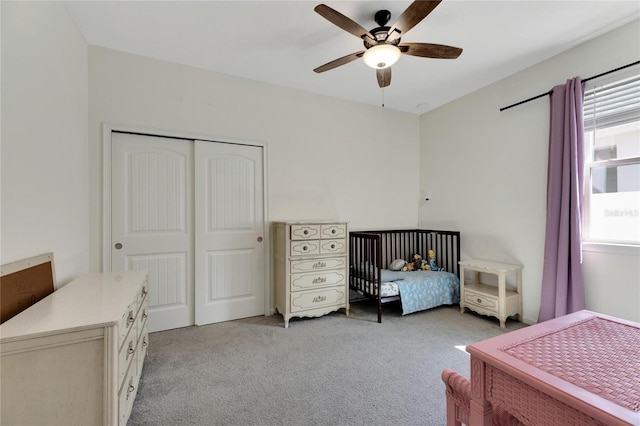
point(420, 290)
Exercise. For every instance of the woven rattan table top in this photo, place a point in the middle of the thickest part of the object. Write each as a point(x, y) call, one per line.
point(595, 354)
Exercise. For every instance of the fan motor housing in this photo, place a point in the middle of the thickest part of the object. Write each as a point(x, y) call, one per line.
point(381, 34)
point(382, 31)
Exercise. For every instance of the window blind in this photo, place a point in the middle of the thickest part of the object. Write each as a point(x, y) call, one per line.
point(612, 104)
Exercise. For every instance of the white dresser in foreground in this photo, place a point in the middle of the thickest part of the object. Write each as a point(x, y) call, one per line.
point(75, 357)
point(310, 264)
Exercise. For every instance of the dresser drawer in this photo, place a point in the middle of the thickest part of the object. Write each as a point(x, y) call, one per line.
point(305, 232)
point(333, 231)
point(318, 298)
point(318, 264)
point(142, 296)
point(141, 351)
point(127, 322)
point(315, 280)
point(126, 354)
point(481, 300)
point(143, 314)
point(305, 247)
point(127, 395)
point(333, 246)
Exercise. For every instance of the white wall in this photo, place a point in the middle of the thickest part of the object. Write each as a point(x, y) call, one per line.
point(485, 171)
point(327, 159)
point(44, 137)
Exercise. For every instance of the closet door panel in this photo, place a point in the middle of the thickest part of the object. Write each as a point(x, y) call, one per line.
point(152, 228)
point(230, 273)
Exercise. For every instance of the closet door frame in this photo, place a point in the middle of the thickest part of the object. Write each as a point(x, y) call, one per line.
point(109, 128)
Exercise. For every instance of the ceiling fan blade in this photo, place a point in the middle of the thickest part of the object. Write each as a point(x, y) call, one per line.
point(340, 61)
point(415, 13)
point(430, 50)
point(344, 22)
point(384, 77)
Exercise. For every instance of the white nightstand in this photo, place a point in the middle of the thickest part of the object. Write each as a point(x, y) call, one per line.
point(486, 299)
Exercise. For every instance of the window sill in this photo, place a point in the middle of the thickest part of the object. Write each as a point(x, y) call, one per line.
point(623, 249)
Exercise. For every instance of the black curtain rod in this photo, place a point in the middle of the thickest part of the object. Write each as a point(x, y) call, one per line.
point(585, 80)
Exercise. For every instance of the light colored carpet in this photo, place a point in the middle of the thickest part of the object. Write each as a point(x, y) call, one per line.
point(333, 370)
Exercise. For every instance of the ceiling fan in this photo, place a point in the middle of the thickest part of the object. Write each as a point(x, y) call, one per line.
point(382, 44)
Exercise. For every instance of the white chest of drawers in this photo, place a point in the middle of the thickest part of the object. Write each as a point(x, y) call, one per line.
point(76, 356)
point(310, 266)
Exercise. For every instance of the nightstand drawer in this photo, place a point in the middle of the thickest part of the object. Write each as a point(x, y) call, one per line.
point(482, 300)
point(315, 280)
point(318, 298)
point(299, 248)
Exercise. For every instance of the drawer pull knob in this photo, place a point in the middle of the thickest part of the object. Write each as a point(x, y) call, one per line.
point(479, 300)
point(144, 342)
point(306, 232)
point(304, 248)
point(333, 246)
point(130, 389)
point(131, 349)
point(131, 319)
point(144, 314)
point(144, 291)
point(333, 231)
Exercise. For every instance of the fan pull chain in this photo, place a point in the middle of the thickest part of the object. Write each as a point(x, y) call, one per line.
point(382, 89)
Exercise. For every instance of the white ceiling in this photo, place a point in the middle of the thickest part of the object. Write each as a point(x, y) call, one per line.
point(281, 42)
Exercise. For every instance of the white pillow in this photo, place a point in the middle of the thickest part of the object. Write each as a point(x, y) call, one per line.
point(397, 265)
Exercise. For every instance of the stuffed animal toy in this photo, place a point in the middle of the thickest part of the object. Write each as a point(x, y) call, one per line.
point(417, 261)
point(433, 266)
point(408, 267)
point(414, 265)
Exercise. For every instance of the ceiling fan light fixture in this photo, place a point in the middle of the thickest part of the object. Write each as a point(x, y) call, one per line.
point(381, 56)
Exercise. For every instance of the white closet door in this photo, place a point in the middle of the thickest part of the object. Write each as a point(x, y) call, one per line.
point(229, 252)
point(152, 227)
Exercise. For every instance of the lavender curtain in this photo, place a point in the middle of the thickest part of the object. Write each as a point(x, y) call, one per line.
point(562, 279)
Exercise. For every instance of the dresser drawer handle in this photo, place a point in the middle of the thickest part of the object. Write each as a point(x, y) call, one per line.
point(130, 389)
point(144, 314)
point(144, 291)
point(131, 349)
point(144, 342)
point(131, 319)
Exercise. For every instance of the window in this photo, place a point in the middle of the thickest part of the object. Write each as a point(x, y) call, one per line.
point(612, 163)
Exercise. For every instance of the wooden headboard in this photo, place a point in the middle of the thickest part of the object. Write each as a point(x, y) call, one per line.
point(24, 283)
